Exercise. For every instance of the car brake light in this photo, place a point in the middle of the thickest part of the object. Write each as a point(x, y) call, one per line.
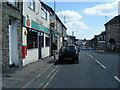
point(60, 54)
point(76, 54)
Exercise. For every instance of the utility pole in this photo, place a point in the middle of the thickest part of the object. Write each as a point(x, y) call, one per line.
point(105, 19)
point(72, 36)
point(64, 19)
point(54, 24)
point(63, 31)
point(72, 33)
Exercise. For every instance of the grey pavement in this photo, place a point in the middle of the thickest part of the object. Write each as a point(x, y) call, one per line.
point(23, 76)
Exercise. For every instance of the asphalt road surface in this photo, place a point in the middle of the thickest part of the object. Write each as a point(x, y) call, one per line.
point(94, 70)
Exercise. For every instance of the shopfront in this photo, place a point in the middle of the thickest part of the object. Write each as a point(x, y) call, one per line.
point(36, 42)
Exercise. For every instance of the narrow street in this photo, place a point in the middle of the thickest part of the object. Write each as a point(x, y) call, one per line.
point(39, 37)
point(95, 70)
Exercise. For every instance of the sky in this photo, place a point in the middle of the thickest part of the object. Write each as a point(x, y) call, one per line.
point(86, 19)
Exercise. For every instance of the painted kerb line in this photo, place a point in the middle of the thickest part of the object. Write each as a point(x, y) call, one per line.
point(52, 77)
point(33, 79)
point(48, 76)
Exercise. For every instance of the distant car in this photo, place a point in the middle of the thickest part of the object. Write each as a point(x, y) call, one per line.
point(69, 53)
point(78, 48)
point(90, 48)
point(84, 48)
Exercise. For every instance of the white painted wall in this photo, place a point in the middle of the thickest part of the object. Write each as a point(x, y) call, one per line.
point(45, 52)
point(32, 14)
point(32, 56)
point(24, 39)
point(37, 14)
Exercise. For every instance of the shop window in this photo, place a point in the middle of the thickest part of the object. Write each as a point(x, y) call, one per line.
point(47, 40)
point(42, 40)
point(31, 4)
point(44, 13)
point(32, 39)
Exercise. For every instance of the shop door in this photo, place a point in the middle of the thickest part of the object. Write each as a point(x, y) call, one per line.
point(39, 48)
point(13, 43)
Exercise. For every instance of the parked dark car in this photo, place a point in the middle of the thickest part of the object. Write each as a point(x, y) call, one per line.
point(69, 53)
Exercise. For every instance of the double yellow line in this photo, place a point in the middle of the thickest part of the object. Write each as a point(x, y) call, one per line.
point(50, 76)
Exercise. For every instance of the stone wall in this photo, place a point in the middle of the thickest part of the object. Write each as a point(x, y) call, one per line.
point(8, 10)
point(112, 33)
point(0, 35)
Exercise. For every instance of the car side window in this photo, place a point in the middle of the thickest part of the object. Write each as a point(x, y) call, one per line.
point(63, 49)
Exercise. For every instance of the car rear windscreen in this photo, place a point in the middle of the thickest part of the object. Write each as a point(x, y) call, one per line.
point(70, 48)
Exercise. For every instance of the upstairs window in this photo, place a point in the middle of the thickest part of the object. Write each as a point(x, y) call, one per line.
point(14, 3)
point(31, 4)
point(44, 13)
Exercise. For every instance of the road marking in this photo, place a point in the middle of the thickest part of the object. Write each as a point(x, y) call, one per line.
point(88, 54)
point(52, 72)
point(97, 61)
point(49, 75)
point(117, 78)
point(52, 77)
point(100, 63)
point(34, 79)
point(91, 56)
point(41, 84)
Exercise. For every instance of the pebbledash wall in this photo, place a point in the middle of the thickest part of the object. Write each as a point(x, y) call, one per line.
point(11, 34)
point(35, 33)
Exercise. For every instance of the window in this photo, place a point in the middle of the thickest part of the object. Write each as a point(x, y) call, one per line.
point(108, 36)
point(108, 27)
point(31, 4)
point(118, 25)
point(62, 48)
point(14, 3)
point(47, 40)
point(42, 41)
point(100, 38)
point(32, 39)
point(44, 13)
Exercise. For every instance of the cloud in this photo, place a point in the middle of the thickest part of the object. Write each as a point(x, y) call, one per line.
point(76, 25)
point(109, 9)
point(81, 30)
point(70, 15)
